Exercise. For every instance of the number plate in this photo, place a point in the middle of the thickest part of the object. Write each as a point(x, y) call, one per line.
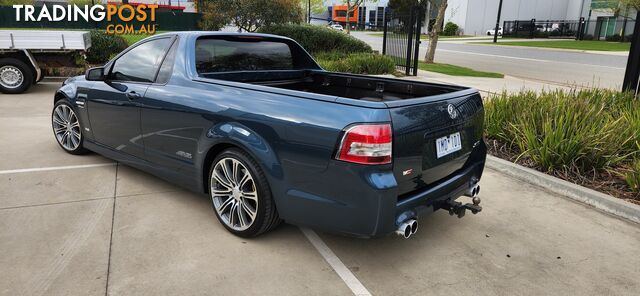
point(449, 144)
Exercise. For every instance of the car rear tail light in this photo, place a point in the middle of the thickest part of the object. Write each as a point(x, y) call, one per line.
point(366, 144)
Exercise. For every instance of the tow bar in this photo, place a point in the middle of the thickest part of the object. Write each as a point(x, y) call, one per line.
point(459, 209)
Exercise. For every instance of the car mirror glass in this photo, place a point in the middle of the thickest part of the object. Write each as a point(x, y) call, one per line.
point(95, 74)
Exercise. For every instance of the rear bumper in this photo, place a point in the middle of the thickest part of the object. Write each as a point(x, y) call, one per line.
point(365, 203)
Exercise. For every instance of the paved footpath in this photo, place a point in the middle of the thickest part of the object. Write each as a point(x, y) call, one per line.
point(81, 225)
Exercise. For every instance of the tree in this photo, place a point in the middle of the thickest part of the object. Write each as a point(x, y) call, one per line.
point(213, 18)
point(14, 2)
point(352, 5)
point(441, 7)
point(250, 15)
point(317, 7)
point(635, 4)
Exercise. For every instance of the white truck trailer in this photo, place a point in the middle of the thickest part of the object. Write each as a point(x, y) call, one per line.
point(23, 52)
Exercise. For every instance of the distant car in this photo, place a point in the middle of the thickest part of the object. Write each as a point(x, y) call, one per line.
point(337, 27)
point(490, 32)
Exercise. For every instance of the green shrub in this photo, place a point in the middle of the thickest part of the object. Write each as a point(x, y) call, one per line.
point(633, 175)
point(450, 29)
point(576, 131)
point(358, 63)
point(104, 46)
point(318, 39)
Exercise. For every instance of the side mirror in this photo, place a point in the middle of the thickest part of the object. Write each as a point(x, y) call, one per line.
point(95, 74)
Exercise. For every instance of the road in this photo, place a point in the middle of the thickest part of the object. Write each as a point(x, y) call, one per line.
point(555, 66)
point(83, 225)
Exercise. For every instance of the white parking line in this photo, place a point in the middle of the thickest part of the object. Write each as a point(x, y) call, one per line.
point(524, 59)
point(345, 274)
point(56, 168)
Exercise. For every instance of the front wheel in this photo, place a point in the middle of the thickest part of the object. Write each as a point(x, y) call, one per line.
point(240, 194)
point(66, 128)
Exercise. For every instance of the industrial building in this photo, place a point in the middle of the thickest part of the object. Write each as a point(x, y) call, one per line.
point(603, 17)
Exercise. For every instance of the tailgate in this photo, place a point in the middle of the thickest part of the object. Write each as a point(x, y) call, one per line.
point(417, 127)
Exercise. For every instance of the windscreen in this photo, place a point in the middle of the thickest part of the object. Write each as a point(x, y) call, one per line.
point(232, 55)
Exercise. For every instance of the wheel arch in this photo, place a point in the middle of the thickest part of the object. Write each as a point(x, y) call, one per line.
point(235, 135)
point(22, 56)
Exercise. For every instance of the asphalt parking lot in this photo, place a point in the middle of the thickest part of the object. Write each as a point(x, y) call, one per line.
point(83, 225)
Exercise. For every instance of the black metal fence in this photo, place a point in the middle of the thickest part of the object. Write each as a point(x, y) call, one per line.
point(602, 28)
point(165, 21)
point(401, 39)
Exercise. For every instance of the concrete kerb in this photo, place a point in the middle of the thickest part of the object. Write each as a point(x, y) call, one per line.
point(588, 196)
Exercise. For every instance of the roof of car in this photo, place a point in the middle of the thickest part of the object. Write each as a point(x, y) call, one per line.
point(218, 33)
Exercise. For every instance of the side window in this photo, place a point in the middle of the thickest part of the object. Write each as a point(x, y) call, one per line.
point(140, 63)
point(167, 65)
point(220, 55)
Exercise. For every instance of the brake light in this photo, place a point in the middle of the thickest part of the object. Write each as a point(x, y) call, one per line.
point(366, 144)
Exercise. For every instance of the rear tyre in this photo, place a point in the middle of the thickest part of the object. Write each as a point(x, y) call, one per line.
point(240, 194)
point(67, 129)
point(15, 76)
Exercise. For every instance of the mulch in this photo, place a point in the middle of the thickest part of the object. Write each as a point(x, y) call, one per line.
point(608, 181)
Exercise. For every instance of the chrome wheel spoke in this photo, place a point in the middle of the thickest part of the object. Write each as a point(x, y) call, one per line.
point(233, 193)
point(249, 210)
point(222, 180)
point(223, 207)
point(59, 130)
point(250, 195)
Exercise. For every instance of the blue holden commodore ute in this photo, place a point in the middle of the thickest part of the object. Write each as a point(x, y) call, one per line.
point(255, 123)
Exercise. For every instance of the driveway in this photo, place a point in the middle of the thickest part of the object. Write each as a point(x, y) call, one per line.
point(83, 225)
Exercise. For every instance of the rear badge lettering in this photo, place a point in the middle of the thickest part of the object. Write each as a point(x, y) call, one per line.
point(407, 172)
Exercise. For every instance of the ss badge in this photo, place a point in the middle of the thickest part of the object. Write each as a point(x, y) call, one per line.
point(407, 172)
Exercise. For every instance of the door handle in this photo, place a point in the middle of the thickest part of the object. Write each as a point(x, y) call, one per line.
point(133, 95)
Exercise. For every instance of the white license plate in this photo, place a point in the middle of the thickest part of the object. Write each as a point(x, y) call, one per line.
point(449, 144)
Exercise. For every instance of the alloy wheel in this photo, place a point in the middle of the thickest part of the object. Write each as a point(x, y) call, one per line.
point(234, 194)
point(66, 127)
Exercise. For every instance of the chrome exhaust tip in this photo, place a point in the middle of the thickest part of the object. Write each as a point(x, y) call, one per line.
point(407, 228)
point(473, 191)
point(414, 227)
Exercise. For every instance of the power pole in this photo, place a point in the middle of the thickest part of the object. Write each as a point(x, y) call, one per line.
point(497, 29)
point(632, 74)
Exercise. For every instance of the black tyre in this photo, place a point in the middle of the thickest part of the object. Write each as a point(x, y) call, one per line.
point(15, 76)
point(240, 194)
point(67, 129)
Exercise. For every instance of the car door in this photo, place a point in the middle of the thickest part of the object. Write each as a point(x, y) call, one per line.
point(114, 110)
point(170, 127)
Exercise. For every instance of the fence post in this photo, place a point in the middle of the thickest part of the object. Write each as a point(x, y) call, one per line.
point(409, 42)
point(417, 47)
point(581, 28)
point(632, 74)
point(384, 35)
point(533, 29)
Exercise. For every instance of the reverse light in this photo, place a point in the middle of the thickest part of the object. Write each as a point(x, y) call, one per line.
point(366, 144)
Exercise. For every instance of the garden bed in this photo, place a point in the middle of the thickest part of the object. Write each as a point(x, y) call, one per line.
point(588, 137)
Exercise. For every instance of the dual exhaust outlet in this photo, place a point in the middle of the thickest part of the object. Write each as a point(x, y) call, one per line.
point(407, 228)
point(410, 226)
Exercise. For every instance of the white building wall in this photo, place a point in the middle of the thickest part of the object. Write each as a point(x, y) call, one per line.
point(480, 15)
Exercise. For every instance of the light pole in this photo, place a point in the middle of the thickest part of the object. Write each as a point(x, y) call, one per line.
point(497, 29)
